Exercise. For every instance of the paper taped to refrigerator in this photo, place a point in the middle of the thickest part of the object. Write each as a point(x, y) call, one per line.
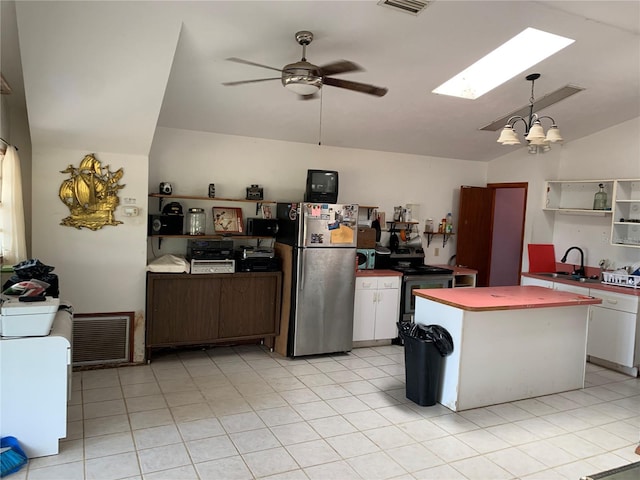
point(343, 234)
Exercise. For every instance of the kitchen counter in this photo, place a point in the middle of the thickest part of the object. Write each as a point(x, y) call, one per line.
point(456, 270)
point(598, 286)
point(510, 343)
point(378, 273)
point(505, 298)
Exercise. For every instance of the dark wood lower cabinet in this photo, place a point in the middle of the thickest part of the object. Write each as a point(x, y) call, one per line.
point(185, 309)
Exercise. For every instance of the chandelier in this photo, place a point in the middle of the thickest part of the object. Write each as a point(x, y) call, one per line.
point(534, 133)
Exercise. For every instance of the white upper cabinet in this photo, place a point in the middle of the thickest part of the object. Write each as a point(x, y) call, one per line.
point(625, 230)
point(576, 196)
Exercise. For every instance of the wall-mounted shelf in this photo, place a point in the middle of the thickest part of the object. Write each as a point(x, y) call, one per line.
point(445, 237)
point(161, 197)
point(625, 225)
point(576, 196)
point(258, 203)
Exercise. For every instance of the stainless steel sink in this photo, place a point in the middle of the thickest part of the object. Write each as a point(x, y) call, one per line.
point(555, 274)
point(569, 277)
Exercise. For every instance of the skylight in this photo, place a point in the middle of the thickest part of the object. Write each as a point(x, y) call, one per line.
point(504, 63)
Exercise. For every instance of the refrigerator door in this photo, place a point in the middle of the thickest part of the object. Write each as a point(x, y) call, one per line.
point(327, 225)
point(323, 318)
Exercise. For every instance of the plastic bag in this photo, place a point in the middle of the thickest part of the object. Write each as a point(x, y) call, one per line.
point(27, 288)
point(431, 333)
point(34, 269)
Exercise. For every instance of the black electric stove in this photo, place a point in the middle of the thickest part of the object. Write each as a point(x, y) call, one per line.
point(421, 270)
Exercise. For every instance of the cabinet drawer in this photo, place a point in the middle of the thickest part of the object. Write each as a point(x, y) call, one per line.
point(563, 287)
point(388, 282)
point(375, 283)
point(616, 301)
point(366, 283)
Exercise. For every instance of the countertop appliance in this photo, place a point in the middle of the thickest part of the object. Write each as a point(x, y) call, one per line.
point(323, 237)
point(416, 275)
point(366, 258)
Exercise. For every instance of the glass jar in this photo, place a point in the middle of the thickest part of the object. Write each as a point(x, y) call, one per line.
point(196, 221)
point(600, 198)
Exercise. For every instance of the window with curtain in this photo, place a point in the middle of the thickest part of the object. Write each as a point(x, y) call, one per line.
point(13, 247)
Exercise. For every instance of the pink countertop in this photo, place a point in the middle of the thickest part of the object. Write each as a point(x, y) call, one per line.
point(597, 286)
point(457, 270)
point(504, 298)
point(378, 273)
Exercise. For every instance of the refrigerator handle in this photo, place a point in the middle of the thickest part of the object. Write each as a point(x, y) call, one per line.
point(301, 272)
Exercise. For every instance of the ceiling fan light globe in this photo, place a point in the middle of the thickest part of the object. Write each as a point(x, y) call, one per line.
point(553, 135)
point(302, 88)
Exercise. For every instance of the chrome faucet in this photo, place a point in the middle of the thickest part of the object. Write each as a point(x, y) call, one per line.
point(579, 271)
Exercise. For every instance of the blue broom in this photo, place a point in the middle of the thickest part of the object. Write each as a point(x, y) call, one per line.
point(12, 458)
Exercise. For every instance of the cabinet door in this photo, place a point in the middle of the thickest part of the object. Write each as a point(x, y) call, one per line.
point(612, 335)
point(364, 311)
point(387, 308)
point(563, 287)
point(182, 309)
point(250, 305)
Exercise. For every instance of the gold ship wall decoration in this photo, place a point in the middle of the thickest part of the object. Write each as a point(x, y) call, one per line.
point(91, 193)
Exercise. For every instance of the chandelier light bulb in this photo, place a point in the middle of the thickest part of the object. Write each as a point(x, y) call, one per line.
point(508, 136)
point(553, 135)
point(536, 134)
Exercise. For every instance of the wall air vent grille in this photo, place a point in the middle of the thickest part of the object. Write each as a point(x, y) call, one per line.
point(539, 104)
point(101, 338)
point(414, 7)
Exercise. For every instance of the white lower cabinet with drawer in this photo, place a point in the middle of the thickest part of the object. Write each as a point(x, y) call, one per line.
point(376, 308)
point(613, 329)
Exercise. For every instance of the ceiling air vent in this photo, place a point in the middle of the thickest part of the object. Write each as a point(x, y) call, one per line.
point(547, 100)
point(414, 7)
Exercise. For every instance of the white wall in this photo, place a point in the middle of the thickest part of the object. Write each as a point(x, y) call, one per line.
point(100, 271)
point(191, 160)
point(609, 154)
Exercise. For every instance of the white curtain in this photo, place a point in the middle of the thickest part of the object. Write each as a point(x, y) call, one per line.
point(12, 232)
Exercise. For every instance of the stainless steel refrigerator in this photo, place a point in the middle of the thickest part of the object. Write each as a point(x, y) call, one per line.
point(323, 237)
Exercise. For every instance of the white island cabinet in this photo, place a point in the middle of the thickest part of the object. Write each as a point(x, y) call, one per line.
point(509, 343)
point(376, 307)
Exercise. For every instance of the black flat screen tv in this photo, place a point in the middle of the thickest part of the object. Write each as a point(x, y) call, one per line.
point(322, 186)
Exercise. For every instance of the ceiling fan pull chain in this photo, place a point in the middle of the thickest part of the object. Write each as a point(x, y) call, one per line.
point(320, 126)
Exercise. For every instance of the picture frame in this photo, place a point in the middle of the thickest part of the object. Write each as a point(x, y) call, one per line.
point(266, 211)
point(227, 220)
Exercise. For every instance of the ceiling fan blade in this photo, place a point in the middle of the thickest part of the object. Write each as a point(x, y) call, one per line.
point(240, 82)
point(355, 86)
point(341, 66)
point(247, 62)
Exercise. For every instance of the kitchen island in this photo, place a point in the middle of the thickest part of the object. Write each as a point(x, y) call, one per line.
point(510, 343)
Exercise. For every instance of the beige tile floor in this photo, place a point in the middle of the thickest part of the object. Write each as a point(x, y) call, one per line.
point(243, 413)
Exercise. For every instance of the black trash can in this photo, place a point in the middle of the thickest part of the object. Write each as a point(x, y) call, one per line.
point(424, 348)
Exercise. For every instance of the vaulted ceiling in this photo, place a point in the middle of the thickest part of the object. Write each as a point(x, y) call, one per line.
point(102, 75)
